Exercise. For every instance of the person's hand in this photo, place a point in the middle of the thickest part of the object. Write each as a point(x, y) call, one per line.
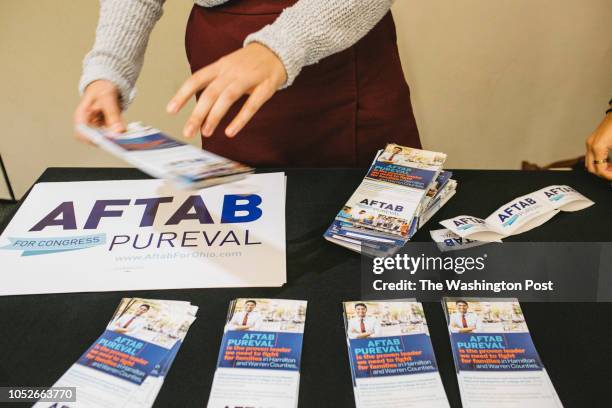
point(100, 106)
point(598, 146)
point(252, 70)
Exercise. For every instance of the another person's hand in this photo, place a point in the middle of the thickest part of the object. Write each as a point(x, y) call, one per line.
point(253, 70)
point(598, 146)
point(100, 106)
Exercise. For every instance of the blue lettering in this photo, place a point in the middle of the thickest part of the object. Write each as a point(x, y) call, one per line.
point(234, 204)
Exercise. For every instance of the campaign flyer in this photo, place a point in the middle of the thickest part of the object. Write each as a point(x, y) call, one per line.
point(438, 201)
point(377, 241)
point(391, 357)
point(161, 156)
point(407, 166)
point(446, 240)
point(149, 389)
point(402, 189)
point(389, 209)
point(122, 367)
point(392, 192)
point(519, 215)
point(496, 361)
point(260, 355)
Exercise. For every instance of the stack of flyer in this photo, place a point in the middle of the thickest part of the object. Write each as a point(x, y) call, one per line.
point(496, 361)
point(161, 156)
point(260, 355)
point(402, 190)
point(127, 364)
point(392, 360)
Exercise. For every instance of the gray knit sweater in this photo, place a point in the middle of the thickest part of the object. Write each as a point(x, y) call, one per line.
point(302, 35)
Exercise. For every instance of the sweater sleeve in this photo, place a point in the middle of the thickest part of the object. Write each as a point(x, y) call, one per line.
point(124, 27)
point(311, 30)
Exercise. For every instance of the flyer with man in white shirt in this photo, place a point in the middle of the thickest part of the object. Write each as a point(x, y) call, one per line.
point(260, 355)
point(392, 360)
point(126, 366)
point(496, 361)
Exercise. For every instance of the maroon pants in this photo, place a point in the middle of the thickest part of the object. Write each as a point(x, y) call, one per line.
point(337, 113)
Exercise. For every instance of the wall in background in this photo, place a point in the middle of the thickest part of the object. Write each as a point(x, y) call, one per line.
point(493, 81)
point(45, 42)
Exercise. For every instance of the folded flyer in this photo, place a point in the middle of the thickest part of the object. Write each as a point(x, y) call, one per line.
point(438, 201)
point(260, 355)
point(161, 156)
point(357, 238)
point(402, 189)
point(495, 358)
point(519, 215)
point(446, 240)
point(391, 357)
point(127, 364)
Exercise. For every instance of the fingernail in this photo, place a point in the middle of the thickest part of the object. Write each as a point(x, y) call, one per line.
point(230, 132)
point(171, 107)
point(207, 130)
point(188, 132)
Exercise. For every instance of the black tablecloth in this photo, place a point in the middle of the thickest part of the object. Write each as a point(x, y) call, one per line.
point(41, 336)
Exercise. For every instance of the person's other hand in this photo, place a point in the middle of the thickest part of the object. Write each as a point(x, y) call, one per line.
point(253, 70)
point(598, 146)
point(100, 107)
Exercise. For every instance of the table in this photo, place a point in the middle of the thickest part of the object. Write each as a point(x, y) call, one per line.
point(43, 335)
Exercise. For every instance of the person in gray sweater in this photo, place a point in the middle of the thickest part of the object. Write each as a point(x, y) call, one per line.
point(326, 72)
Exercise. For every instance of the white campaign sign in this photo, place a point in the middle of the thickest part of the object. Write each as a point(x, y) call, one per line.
point(143, 234)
